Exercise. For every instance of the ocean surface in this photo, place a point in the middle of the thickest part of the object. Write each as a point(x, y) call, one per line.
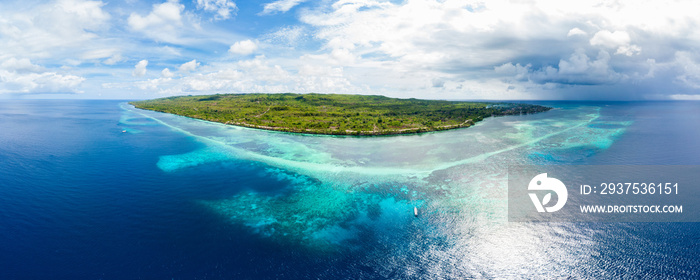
point(101, 190)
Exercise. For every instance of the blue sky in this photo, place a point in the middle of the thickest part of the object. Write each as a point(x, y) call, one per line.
point(611, 50)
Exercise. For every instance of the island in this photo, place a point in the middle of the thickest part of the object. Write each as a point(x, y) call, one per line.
point(334, 114)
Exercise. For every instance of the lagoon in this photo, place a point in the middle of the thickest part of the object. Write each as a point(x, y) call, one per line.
point(99, 189)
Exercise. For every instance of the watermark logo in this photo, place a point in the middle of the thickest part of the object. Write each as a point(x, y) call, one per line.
point(604, 193)
point(542, 183)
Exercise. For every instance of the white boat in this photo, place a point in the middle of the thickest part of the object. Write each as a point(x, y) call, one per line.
point(415, 211)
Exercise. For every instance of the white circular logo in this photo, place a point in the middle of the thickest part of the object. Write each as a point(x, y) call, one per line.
point(542, 183)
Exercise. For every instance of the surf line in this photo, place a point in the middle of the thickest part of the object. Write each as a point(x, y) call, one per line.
point(285, 163)
point(527, 143)
point(295, 165)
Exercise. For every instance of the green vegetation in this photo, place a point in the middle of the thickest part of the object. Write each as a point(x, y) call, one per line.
point(337, 114)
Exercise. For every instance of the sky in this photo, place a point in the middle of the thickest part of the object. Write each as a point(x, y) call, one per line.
point(494, 49)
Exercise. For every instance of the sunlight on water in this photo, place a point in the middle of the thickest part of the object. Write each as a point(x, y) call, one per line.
point(358, 193)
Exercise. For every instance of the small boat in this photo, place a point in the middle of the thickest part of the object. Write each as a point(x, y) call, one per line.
point(415, 211)
point(123, 131)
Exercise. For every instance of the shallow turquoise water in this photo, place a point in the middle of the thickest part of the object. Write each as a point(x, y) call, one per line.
point(349, 192)
point(100, 190)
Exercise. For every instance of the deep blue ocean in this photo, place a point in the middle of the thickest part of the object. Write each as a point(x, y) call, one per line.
point(100, 190)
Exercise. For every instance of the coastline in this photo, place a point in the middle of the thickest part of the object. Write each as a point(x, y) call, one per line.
point(335, 114)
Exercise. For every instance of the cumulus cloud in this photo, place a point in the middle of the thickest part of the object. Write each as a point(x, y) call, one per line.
point(224, 9)
point(619, 40)
point(244, 47)
point(576, 31)
point(161, 23)
point(610, 39)
point(189, 66)
point(418, 48)
point(453, 49)
point(282, 6)
point(86, 14)
point(114, 59)
point(258, 74)
point(22, 65)
point(420, 40)
point(46, 82)
point(22, 76)
point(165, 14)
point(166, 73)
point(438, 83)
point(517, 72)
point(335, 57)
point(578, 69)
point(529, 44)
point(140, 68)
point(33, 32)
point(689, 67)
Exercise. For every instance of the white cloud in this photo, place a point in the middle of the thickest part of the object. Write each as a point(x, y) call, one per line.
point(173, 23)
point(689, 69)
point(161, 23)
point(288, 36)
point(244, 47)
point(694, 97)
point(619, 40)
point(578, 69)
point(165, 14)
point(59, 28)
point(166, 73)
point(22, 76)
point(427, 38)
point(20, 65)
point(418, 48)
point(629, 50)
point(189, 66)
point(335, 57)
point(610, 39)
point(140, 68)
point(46, 82)
point(152, 84)
point(87, 14)
point(517, 71)
point(224, 9)
point(258, 74)
point(169, 50)
point(576, 31)
point(280, 6)
point(455, 40)
point(101, 53)
point(114, 59)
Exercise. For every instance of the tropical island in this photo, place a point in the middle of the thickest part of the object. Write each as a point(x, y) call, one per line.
point(334, 114)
